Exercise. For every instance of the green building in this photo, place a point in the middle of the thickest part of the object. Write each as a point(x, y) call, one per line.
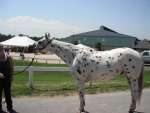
point(108, 38)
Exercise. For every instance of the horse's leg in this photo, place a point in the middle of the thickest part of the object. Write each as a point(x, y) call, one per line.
point(90, 83)
point(81, 88)
point(133, 83)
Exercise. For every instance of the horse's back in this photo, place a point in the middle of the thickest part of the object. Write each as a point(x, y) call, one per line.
point(127, 52)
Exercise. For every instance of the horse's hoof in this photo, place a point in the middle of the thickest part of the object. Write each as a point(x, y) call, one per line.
point(130, 109)
point(80, 111)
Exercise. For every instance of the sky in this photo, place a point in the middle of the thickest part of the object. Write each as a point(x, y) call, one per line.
point(63, 18)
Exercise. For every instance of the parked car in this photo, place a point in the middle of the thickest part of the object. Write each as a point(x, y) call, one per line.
point(146, 56)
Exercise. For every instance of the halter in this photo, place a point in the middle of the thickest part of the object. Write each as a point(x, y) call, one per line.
point(46, 44)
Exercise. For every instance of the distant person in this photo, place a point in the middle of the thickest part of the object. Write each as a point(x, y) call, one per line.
point(6, 78)
point(22, 56)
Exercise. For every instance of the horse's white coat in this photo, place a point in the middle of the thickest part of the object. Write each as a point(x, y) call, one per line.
point(86, 64)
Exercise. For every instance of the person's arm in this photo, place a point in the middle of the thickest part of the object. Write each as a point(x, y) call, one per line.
point(11, 68)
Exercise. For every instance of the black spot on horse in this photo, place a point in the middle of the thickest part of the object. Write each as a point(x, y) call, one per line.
point(108, 64)
point(73, 55)
point(130, 59)
point(79, 71)
point(111, 70)
point(76, 49)
point(84, 59)
point(92, 60)
point(98, 56)
point(122, 72)
point(133, 66)
point(117, 71)
point(102, 74)
point(79, 62)
point(91, 50)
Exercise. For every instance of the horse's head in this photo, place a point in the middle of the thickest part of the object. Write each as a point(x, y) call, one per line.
point(41, 45)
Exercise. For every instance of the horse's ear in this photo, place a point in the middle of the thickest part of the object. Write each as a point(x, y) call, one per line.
point(46, 36)
point(49, 35)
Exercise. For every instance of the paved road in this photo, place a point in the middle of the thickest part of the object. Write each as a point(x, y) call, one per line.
point(101, 103)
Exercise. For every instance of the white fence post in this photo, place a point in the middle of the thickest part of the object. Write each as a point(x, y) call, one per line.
point(31, 79)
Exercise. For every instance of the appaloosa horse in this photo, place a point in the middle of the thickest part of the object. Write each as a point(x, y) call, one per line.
point(87, 64)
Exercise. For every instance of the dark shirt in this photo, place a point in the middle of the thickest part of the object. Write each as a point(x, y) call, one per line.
point(5, 68)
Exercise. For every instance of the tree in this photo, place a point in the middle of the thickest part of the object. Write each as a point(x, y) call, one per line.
point(75, 42)
point(98, 46)
point(4, 37)
point(20, 34)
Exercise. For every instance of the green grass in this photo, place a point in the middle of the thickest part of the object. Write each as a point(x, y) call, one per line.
point(62, 83)
point(26, 63)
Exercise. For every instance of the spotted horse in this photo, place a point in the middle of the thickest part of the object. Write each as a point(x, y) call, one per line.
point(87, 65)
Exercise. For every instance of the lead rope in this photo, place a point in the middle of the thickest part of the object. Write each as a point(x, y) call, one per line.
point(26, 67)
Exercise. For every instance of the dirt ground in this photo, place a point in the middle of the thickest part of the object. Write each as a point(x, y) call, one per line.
point(43, 58)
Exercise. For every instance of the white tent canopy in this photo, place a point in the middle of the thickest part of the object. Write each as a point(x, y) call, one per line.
point(19, 41)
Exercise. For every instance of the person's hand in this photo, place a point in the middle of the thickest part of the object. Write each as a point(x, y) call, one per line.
point(1, 75)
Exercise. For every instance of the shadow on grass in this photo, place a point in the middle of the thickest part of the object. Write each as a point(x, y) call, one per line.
point(106, 88)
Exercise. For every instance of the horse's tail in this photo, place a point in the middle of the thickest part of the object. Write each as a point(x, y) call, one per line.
point(140, 83)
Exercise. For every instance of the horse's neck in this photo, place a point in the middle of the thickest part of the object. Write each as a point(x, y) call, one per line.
point(65, 51)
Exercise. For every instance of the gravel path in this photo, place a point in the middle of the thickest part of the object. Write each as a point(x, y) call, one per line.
point(101, 103)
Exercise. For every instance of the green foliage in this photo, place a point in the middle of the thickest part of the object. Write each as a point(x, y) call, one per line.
point(36, 38)
point(5, 37)
point(75, 42)
point(98, 46)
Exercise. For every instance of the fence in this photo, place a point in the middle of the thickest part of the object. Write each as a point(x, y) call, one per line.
point(31, 70)
point(39, 59)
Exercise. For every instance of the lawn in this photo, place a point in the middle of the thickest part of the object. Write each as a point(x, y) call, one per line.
point(62, 83)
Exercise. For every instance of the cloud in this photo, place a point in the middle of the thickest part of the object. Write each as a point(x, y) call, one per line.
point(28, 25)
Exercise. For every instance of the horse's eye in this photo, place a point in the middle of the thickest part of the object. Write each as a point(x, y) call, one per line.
point(40, 42)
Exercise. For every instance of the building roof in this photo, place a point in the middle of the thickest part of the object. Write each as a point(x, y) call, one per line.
point(106, 36)
point(144, 44)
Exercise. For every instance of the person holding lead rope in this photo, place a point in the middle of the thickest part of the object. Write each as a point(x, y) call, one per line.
point(6, 78)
